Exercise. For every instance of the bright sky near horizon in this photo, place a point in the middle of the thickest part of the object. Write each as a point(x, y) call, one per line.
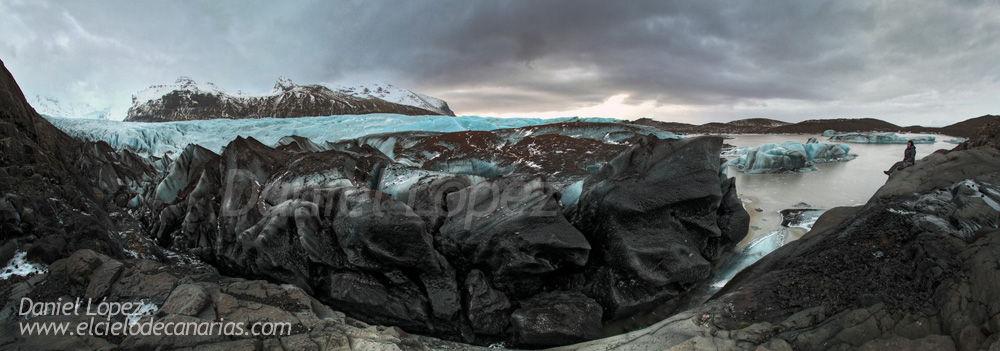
point(929, 63)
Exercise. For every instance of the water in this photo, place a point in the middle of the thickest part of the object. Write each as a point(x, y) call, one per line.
point(849, 183)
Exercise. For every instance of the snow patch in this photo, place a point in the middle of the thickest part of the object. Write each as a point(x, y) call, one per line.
point(20, 266)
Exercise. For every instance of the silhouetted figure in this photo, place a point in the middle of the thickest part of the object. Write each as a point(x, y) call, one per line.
point(909, 157)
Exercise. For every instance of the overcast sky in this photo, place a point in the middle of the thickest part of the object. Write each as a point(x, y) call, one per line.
point(908, 62)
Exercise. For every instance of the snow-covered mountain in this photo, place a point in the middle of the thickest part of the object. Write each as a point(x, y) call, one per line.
point(189, 100)
point(53, 107)
point(390, 93)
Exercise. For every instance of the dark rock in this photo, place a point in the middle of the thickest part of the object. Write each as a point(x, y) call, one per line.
point(557, 318)
point(186, 299)
point(649, 217)
point(423, 191)
point(796, 217)
point(102, 278)
point(488, 310)
point(48, 186)
point(514, 226)
point(734, 223)
point(401, 304)
point(376, 231)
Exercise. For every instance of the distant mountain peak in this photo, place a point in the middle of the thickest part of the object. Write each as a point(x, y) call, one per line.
point(283, 84)
point(184, 80)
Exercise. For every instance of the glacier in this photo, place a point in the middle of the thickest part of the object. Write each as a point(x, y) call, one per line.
point(787, 157)
point(878, 138)
point(169, 138)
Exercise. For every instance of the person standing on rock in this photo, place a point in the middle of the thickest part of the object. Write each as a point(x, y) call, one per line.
point(909, 157)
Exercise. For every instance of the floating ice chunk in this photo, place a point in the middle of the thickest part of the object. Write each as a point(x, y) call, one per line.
point(879, 138)
point(956, 141)
point(788, 157)
point(829, 133)
point(823, 153)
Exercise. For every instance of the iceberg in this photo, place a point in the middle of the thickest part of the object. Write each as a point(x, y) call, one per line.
point(879, 138)
point(956, 141)
point(803, 218)
point(159, 139)
point(788, 157)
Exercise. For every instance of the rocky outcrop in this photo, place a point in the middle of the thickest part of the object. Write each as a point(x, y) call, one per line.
point(191, 294)
point(514, 227)
point(559, 318)
point(652, 221)
point(187, 100)
point(58, 194)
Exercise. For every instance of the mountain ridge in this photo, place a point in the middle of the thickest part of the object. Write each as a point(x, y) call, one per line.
point(187, 100)
point(965, 129)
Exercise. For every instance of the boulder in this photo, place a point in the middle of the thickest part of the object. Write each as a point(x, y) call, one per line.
point(557, 318)
point(513, 225)
point(488, 310)
point(650, 214)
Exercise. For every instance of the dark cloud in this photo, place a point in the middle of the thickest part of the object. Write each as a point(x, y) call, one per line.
point(717, 59)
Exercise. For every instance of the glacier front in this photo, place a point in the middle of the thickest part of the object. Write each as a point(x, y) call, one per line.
point(159, 139)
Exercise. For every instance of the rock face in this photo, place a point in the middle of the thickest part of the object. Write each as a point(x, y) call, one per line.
point(58, 194)
point(187, 100)
point(514, 226)
point(652, 220)
point(914, 268)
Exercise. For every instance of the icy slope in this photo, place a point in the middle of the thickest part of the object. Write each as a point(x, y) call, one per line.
point(49, 106)
point(170, 137)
